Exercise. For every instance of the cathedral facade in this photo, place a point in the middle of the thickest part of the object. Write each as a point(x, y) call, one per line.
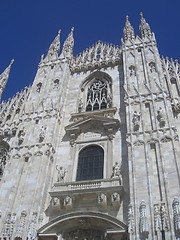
point(91, 149)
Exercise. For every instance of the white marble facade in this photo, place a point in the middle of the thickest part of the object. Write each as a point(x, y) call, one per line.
point(114, 109)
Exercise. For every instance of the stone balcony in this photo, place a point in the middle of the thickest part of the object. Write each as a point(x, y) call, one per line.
point(101, 192)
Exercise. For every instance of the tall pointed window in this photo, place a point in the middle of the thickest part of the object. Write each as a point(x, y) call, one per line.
point(90, 163)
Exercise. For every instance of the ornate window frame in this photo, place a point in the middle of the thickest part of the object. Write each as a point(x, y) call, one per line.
point(95, 92)
point(80, 146)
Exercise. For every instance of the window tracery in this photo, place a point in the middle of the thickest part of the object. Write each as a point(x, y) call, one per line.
point(98, 95)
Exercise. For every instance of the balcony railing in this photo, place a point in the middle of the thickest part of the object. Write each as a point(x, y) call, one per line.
point(110, 184)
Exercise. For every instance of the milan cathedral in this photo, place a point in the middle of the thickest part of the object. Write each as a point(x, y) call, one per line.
point(90, 150)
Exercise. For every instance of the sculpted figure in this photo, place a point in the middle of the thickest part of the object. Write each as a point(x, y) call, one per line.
point(132, 71)
point(42, 133)
point(116, 170)
point(161, 117)
point(61, 173)
point(136, 120)
point(80, 106)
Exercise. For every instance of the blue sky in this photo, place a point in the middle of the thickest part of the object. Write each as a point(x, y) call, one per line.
point(29, 26)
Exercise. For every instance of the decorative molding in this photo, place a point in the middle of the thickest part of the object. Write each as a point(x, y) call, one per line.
point(32, 229)
point(131, 222)
point(176, 213)
point(21, 225)
point(108, 126)
point(143, 222)
point(98, 56)
point(161, 222)
point(138, 143)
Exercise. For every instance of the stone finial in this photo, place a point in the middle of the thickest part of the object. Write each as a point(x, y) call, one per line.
point(53, 50)
point(144, 28)
point(4, 77)
point(128, 30)
point(68, 45)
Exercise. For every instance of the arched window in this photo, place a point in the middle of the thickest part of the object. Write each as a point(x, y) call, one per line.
point(90, 163)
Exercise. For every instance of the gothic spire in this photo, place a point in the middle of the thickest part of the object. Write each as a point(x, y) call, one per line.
point(144, 28)
point(68, 44)
point(4, 77)
point(128, 30)
point(54, 48)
